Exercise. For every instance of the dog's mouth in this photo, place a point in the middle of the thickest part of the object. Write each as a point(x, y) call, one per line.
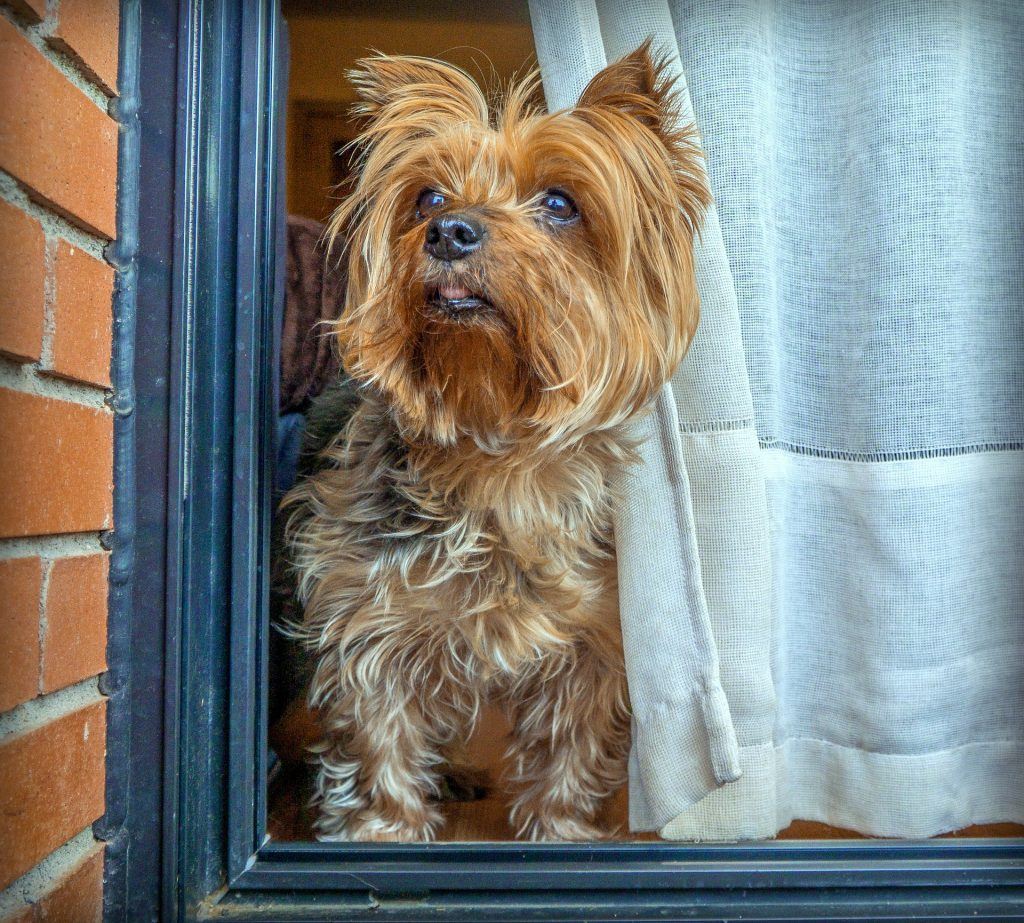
point(456, 301)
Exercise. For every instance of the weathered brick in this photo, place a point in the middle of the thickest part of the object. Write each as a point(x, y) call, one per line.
point(87, 31)
point(21, 295)
point(20, 582)
point(53, 787)
point(78, 896)
point(75, 639)
point(56, 469)
point(53, 138)
point(82, 316)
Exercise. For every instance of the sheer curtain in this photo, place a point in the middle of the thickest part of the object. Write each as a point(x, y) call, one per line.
point(851, 414)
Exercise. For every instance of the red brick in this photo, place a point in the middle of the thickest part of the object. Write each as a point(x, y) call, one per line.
point(56, 467)
point(32, 10)
point(82, 316)
point(87, 31)
point(53, 138)
point(20, 582)
point(21, 296)
point(78, 896)
point(53, 787)
point(75, 639)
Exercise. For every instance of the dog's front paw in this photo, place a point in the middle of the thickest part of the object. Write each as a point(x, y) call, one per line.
point(561, 829)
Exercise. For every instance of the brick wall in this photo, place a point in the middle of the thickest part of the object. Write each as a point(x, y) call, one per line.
point(58, 173)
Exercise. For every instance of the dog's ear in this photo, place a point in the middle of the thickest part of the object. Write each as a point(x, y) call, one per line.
point(402, 100)
point(409, 89)
point(636, 85)
point(640, 87)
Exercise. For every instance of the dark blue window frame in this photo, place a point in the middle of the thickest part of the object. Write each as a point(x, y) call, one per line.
point(201, 113)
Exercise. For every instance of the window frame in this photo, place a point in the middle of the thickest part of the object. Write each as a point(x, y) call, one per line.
point(186, 797)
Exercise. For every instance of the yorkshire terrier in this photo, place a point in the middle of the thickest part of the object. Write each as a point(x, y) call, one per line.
point(521, 284)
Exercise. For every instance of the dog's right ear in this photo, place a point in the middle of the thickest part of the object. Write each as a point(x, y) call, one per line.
point(415, 92)
point(403, 100)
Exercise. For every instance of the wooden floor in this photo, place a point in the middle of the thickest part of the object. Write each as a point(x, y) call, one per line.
point(487, 818)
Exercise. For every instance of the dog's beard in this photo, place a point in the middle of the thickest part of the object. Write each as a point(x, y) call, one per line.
point(518, 366)
point(446, 372)
point(531, 360)
point(474, 371)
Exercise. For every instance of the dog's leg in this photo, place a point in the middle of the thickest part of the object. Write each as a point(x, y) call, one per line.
point(379, 764)
point(570, 744)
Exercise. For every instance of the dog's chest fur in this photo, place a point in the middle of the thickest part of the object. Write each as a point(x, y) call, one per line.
point(493, 565)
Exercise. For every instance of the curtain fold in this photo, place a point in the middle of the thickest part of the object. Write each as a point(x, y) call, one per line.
point(681, 716)
point(851, 413)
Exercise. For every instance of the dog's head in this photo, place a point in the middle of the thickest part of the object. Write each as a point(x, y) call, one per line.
point(518, 272)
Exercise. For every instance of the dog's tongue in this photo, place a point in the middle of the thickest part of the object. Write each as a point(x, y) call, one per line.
point(454, 292)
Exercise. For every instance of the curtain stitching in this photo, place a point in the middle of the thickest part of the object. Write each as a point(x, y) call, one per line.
point(907, 455)
point(692, 428)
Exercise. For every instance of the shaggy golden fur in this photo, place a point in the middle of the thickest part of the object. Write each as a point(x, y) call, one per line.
point(457, 546)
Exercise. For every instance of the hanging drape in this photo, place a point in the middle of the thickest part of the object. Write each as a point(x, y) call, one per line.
point(850, 419)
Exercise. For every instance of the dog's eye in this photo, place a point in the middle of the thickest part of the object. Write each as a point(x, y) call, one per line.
point(558, 205)
point(429, 201)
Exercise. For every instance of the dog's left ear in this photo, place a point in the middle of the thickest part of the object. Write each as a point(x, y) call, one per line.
point(640, 87)
point(402, 88)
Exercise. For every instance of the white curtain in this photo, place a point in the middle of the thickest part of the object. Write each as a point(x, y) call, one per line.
point(851, 414)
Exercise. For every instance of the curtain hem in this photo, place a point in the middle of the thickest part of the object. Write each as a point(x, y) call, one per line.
point(874, 794)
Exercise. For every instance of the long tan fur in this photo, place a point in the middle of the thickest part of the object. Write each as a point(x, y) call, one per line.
point(457, 548)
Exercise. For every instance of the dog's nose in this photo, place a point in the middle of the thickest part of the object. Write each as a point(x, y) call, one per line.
point(453, 236)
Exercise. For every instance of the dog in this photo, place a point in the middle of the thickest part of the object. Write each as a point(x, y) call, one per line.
point(520, 286)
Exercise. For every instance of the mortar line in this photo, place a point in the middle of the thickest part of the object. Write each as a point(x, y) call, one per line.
point(16, 193)
point(29, 378)
point(45, 709)
point(65, 545)
point(49, 301)
point(46, 566)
